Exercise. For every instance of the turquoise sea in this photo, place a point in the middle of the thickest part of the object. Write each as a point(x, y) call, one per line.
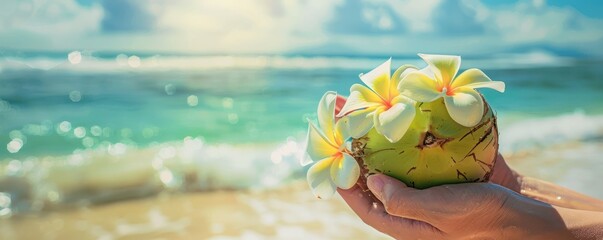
point(95, 127)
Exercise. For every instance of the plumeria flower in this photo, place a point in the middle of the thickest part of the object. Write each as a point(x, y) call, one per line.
point(379, 105)
point(464, 104)
point(334, 166)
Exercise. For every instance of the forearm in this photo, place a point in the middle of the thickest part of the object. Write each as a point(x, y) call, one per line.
point(557, 195)
point(582, 224)
point(526, 218)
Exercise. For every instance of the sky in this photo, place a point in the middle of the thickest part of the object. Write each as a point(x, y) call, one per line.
point(474, 27)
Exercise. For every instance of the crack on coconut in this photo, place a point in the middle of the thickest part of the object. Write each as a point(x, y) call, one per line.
point(400, 153)
point(481, 139)
point(453, 159)
point(423, 110)
point(459, 174)
point(486, 107)
point(486, 176)
point(410, 170)
point(491, 141)
point(474, 129)
point(482, 163)
point(382, 150)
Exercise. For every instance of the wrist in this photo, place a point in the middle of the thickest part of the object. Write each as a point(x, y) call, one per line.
point(526, 218)
point(557, 195)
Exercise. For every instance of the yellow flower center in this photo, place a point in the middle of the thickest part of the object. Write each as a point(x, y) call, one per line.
point(445, 91)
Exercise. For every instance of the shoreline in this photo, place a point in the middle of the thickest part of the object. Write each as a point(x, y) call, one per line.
point(290, 212)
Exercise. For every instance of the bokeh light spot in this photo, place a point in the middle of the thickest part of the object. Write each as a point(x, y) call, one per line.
point(5, 204)
point(79, 132)
point(126, 133)
point(192, 100)
point(64, 126)
point(117, 149)
point(227, 102)
point(169, 89)
point(75, 57)
point(96, 131)
point(14, 145)
point(122, 59)
point(88, 142)
point(75, 96)
point(233, 118)
point(134, 61)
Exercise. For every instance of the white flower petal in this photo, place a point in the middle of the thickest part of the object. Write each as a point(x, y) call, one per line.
point(360, 97)
point(342, 131)
point(428, 72)
point(466, 106)
point(378, 79)
point(403, 99)
point(419, 87)
point(305, 159)
point(318, 146)
point(326, 114)
point(475, 78)
point(319, 179)
point(394, 122)
point(399, 74)
point(444, 67)
point(360, 122)
point(496, 85)
point(345, 171)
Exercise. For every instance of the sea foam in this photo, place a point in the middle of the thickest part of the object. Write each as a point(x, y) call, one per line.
point(540, 132)
point(120, 171)
point(103, 175)
point(87, 62)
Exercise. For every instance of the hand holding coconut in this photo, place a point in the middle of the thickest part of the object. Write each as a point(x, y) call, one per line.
point(423, 129)
point(466, 211)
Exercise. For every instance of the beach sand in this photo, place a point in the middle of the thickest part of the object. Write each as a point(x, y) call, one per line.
point(290, 212)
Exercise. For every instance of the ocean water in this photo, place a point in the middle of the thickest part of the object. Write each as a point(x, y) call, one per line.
point(96, 127)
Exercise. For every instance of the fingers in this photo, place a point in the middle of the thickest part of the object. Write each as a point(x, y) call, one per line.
point(373, 213)
point(399, 200)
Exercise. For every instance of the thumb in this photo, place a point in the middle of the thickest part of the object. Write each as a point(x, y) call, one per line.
point(383, 186)
point(402, 201)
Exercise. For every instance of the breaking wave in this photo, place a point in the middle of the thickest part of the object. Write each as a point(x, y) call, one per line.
point(541, 132)
point(120, 171)
point(88, 62)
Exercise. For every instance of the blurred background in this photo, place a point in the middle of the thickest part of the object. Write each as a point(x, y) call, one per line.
point(134, 119)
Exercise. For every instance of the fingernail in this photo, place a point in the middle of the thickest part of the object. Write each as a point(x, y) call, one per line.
point(375, 183)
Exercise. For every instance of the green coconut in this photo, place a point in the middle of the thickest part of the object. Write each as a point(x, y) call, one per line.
point(434, 151)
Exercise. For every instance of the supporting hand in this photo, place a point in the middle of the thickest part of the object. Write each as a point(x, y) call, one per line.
point(459, 211)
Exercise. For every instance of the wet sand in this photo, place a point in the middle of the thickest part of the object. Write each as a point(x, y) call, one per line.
point(290, 212)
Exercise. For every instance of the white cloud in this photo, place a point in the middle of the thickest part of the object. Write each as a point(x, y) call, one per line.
point(262, 25)
point(48, 22)
point(536, 23)
point(267, 26)
point(507, 27)
point(416, 13)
